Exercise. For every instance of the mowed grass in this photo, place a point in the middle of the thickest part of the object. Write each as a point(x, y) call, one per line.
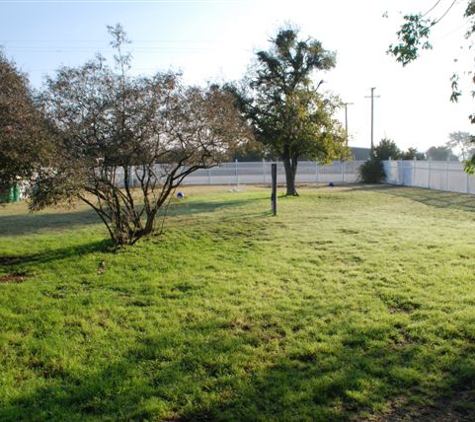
point(353, 303)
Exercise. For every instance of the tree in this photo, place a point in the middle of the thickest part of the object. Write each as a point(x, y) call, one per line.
point(463, 142)
point(387, 149)
point(117, 133)
point(442, 153)
point(372, 170)
point(287, 113)
point(24, 136)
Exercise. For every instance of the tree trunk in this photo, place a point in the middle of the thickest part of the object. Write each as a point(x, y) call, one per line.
point(290, 166)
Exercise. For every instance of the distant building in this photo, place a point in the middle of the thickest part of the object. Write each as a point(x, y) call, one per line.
point(360, 154)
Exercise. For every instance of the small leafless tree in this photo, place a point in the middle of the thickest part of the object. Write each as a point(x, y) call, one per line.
point(128, 142)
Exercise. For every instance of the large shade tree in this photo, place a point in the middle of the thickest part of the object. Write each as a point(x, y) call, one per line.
point(126, 143)
point(288, 114)
point(24, 140)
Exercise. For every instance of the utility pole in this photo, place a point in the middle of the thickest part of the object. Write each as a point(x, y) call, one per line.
point(372, 116)
point(346, 121)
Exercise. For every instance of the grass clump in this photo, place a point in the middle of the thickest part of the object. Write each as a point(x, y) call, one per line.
point(352, 303)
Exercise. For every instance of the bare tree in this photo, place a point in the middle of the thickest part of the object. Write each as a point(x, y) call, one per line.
point(128, 142)
point(462, 142)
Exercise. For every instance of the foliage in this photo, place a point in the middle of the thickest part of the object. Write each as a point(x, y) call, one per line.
point(463, 142)
point(414, 35)
point(412, 154)
point(236, 316)
point(288, 114)
point(126, 143)
point(441, 153)
point(23, 133)
point(372, 170)
point(387, 150)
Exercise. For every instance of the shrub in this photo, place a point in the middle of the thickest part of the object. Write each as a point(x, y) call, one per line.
point(372, 171)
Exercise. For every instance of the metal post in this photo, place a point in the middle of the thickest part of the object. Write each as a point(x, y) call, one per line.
point(274, 189)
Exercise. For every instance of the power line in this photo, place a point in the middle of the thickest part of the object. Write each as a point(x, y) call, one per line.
point(122, 1)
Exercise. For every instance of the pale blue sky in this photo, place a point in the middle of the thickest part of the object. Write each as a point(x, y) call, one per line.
point(216, 40)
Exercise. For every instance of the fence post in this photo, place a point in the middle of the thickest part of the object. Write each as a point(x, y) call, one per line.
point(447, 175)
point(468, 182)
point(342, 164)
point(414, 165)
point(430, 159)
point(316, 169)
point(209, 176)
point(237, 173)
point(264, 169)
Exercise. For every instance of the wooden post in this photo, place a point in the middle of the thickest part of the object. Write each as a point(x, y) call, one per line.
point(274, 189)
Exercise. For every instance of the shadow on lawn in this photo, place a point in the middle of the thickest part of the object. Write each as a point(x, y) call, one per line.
point(434, 198)
point(148, 382)
point(56, 254)
point(199, 207)
point(17, 225)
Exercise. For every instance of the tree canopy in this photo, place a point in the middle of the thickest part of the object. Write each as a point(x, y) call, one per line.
point(441, 153)
point(23, 132)
point(463, 143)
point(126, 143)
point(288, 114)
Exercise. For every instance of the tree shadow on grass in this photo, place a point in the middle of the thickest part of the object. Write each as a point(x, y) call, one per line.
point(76, 251)
point(209, 378)
point(200, 207)
point(18, 225)
point(430, 197)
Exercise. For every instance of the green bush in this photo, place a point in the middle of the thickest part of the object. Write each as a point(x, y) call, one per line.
point(372, 171)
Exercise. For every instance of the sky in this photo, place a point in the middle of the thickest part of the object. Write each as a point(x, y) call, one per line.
point(216, 40)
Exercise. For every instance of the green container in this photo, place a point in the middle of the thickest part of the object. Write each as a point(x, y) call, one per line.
point(15, 193)
point(11, 195)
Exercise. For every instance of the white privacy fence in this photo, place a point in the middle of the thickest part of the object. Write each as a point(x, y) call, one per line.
point(439, 175)
point(238, 173)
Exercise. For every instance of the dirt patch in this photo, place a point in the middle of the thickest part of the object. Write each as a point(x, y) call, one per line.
point(13, 278)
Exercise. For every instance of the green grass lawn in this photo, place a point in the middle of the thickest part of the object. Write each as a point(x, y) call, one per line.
point(352, 304)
